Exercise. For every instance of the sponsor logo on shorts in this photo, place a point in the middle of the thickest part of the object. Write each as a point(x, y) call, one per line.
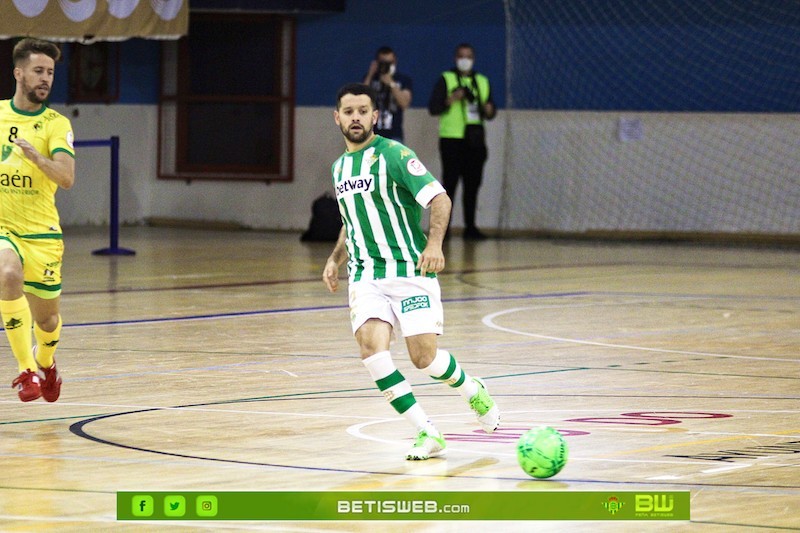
point(414, 303)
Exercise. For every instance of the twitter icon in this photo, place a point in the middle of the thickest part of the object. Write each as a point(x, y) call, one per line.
point(174, 505)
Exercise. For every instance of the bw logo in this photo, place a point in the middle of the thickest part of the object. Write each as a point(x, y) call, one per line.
point(51, 344)
point(14, 323)
point(659, 503)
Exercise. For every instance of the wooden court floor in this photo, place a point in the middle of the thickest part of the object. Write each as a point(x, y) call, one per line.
point(217, 361)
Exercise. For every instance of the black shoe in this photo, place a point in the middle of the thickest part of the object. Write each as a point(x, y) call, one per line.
point(474, 234)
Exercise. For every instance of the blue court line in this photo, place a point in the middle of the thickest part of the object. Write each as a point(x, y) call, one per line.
point(205, 317)
point(289, 310)
point(695, 296)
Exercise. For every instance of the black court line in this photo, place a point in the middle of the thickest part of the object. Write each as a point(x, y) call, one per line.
point(78, 430)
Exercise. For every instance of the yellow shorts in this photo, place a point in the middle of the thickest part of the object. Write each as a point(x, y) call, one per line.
point(41, 262)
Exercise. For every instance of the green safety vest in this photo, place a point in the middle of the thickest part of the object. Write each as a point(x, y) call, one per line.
point(454, 119)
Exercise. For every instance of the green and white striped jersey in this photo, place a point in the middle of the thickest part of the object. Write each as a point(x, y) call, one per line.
point(382, 190)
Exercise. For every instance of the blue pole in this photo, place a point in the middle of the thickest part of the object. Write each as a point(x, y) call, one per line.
point(113, 248)
point(114, 207)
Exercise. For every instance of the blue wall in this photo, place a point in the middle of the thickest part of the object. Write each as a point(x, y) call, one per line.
point(140, 63)
point(653, 55)
point(336, 49)
point(659, 55)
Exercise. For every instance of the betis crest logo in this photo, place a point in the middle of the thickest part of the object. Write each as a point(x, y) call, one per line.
point(613, 505)
point(6, 151)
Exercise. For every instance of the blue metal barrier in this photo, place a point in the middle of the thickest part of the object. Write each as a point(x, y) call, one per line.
point(113, 223)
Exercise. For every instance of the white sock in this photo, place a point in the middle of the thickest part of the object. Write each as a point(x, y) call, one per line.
point(396, 389)
point(444, 367)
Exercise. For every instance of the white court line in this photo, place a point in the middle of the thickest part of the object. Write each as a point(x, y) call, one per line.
point(356, 431)
point(771, 435)
point(194, 525)
point(488, 321)
point(727, 468)
point(193, 409)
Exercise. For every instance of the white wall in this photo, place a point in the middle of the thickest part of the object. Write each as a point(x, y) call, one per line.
point(653, 172)
point(569, 172)
point(284, 206)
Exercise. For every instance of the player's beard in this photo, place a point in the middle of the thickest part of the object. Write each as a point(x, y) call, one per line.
point(356, 137)
point(34, 98)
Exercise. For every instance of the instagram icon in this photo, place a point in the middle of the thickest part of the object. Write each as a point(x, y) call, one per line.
point(207, 506)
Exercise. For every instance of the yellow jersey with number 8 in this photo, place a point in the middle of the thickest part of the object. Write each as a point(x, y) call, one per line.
point(27, 195)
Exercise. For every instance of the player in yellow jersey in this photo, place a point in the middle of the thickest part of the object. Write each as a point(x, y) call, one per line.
point(37, 158)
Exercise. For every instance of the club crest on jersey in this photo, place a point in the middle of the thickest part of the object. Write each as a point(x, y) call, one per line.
point(415, 167)
point(355, 185)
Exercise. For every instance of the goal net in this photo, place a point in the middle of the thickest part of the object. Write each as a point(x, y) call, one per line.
point(659, 117)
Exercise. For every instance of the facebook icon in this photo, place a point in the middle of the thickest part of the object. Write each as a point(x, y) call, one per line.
point(142, 505)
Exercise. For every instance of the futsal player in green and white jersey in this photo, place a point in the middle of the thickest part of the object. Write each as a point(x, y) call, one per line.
point(382, 189)
point(36, 158)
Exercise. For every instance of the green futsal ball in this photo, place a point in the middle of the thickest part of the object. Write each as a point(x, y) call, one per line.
point(542, 452)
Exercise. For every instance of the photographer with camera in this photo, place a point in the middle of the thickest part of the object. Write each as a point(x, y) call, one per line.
point(394, 93)
point(462, 98)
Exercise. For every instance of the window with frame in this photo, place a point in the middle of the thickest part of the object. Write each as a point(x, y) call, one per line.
point(94, 72)
point(7, 83)
point(227, 99)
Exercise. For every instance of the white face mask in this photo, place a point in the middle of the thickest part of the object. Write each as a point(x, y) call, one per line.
point(464, 64)
point(391, 69)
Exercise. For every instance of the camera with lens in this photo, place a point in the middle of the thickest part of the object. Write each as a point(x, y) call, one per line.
point(384, 67)
point(469, 96)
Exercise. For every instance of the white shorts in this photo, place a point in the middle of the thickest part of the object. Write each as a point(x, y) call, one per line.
point(411, 305)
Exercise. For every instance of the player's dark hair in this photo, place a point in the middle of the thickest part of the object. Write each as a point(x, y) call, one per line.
point(23, 50)
point(383, 50)
point(465, 45)
point(357, 89)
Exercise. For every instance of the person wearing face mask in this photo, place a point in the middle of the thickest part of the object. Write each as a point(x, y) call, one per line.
point(394, 93)
point(462, 99)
